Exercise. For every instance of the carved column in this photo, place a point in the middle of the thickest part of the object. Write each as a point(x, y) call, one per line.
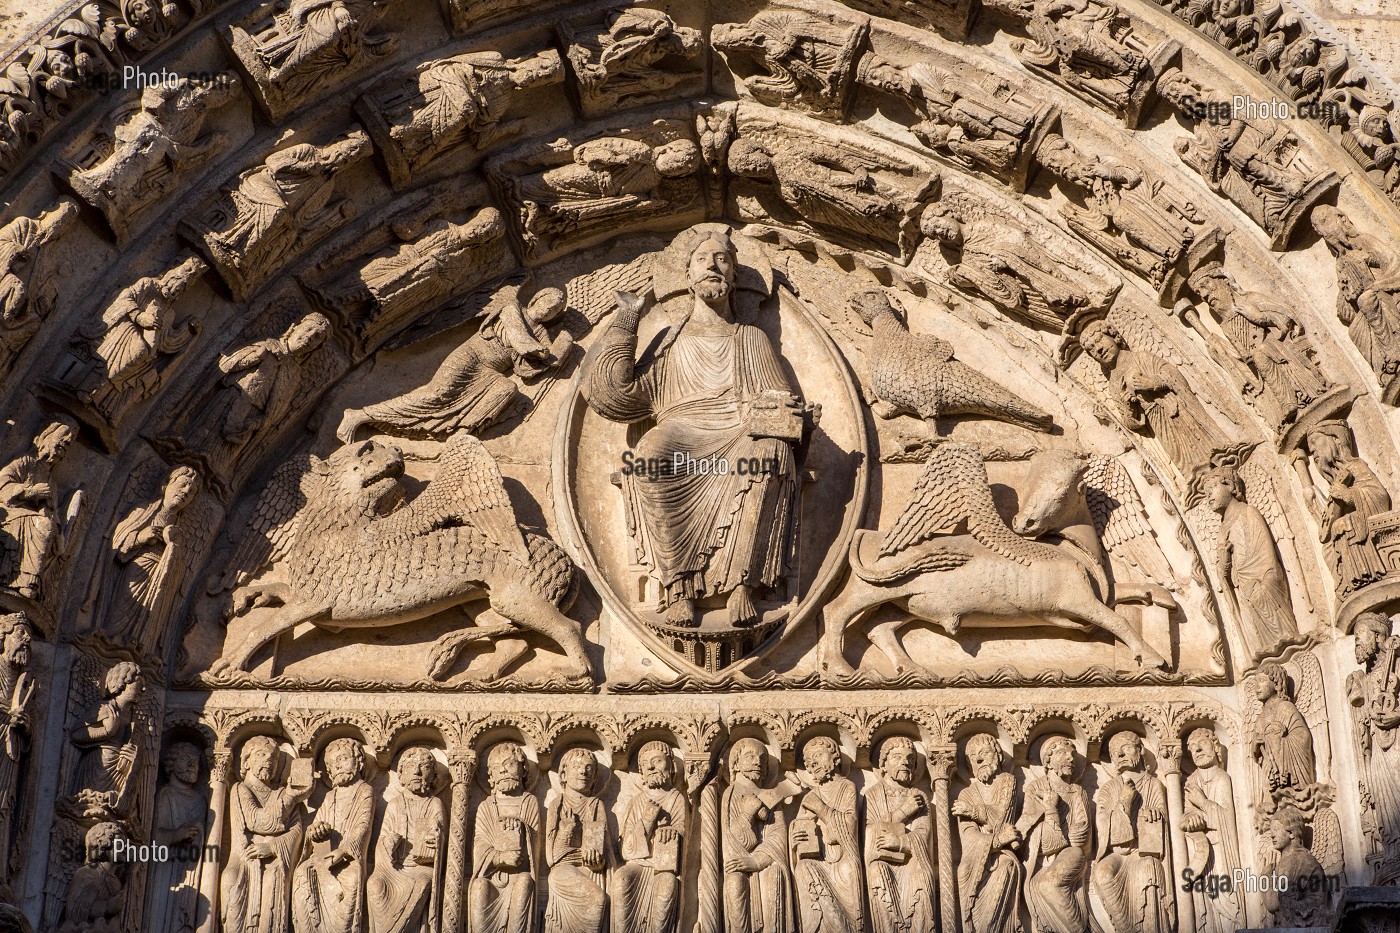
point(942, 762)
point(1169, 757)
point(219, 777)
point(705, 801)
point(463, 768)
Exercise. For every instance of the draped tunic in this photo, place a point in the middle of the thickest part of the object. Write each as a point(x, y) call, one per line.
point(704, 530)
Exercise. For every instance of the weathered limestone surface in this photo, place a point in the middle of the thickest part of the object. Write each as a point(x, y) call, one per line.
point(753, 466)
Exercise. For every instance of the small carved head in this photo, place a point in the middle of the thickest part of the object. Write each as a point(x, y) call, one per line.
point(748, 759)
point(1374, 122)
point(1334, 227)
point(181, 762)
point(307, 334)
point(1220, 487)
point(15, 639)
point(677, 158)
point(259, 759)
point(1125, 750)
point(1286, 828)
point(748, 159)
point(940, 222)
point(821, 757)
point(182, 486)
point(899, 759)
point(1270, 680)
point(505, 768)
point(1204, 748)
point(344, 762)
point(53, 442)
point(1057, 755)
point(546, 305)
point(654, 764)
point(984, 756)
point(578, 770)
point(418, 770)
point(1101, 341)
point(123, 682)
point(100, 840)
point(1371, 630)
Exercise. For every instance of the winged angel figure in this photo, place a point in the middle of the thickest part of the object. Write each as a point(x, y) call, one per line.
point(343, 549)
point(952, 560)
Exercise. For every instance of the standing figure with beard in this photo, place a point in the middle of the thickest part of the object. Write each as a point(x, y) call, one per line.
point(1055, 818)
point(505, 848)
point(989, 875)
point(647, 886)
point(329, 890)
point(825, 848)
point(400, 891)
point(898, 836)
point(576, 847)
point(1130, 877)
point(757, 885)
point(715, 390)
point(1374, 693)
point(265, 833)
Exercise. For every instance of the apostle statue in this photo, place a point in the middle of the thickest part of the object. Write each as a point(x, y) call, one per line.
point(1282, 743)
point(577, 848)
point(647, 885)
point(182, 812)
point(824, 837)
point(400, 892)
point(328, 889)
point(1055, 821)
point(1374, 691)
point(265, 841)
point(505, 848)
point(898, 837)
point(757, 884)
point(1208, 819)
point(1130, 877)
point(989, 874)
point(715, 390)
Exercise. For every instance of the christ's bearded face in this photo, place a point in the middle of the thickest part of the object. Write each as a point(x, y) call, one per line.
point(712, 271)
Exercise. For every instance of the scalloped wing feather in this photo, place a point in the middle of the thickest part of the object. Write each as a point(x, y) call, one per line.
point(594, 295)
point(469, 489)
point(270, 531)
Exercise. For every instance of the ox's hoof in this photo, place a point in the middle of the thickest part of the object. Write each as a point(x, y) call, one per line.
point(1151, 659)
point(836, 666)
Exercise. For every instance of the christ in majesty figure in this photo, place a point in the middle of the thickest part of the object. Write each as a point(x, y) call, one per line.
point(724, 421)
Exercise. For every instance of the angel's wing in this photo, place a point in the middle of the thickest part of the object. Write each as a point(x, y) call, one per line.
point(952, 493)
point(265, 534)
point(1327, 841)
point(595, 294)
point(1121, 521)
point(1313, 706)
point(469, 490)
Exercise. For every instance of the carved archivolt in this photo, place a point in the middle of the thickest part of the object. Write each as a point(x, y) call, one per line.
point(779, 466)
